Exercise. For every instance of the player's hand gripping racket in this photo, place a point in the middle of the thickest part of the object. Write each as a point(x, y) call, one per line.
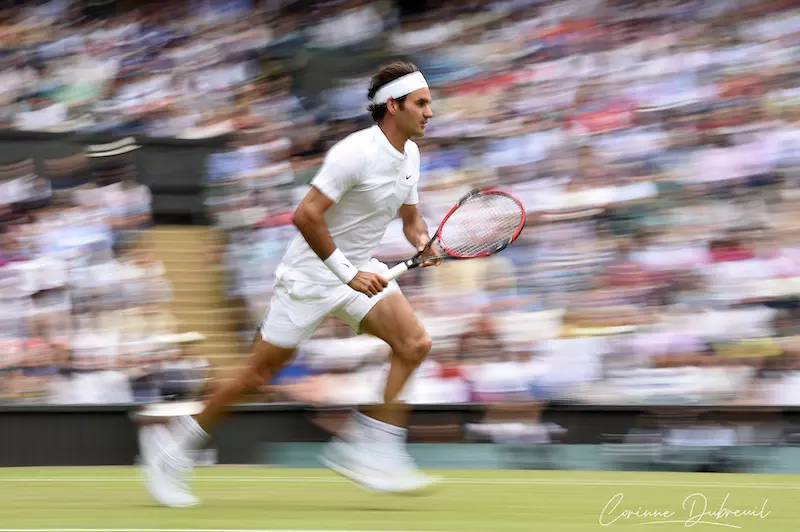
point(482, 223)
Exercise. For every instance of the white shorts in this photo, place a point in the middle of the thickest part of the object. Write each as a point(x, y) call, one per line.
point(297, 308)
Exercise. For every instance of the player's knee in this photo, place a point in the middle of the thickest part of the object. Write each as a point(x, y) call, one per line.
point(417, 348)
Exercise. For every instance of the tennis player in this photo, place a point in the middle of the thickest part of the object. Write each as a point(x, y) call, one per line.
point(366, 180)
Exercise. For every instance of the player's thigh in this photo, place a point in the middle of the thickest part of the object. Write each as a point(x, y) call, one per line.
point(392, 319)
point(290, 319)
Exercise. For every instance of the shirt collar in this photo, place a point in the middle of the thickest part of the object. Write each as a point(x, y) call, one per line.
point(386, 144)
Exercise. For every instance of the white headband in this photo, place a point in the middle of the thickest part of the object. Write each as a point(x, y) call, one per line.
point(400, 87)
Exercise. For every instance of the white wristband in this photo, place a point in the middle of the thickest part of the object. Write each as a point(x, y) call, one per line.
point(339, 265)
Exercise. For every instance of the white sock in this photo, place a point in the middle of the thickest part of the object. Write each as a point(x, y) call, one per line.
point(351, 431)
point(188, 434)
point(370, 429)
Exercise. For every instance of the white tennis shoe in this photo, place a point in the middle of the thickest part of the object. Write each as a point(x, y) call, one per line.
point(166, 467)
point(384, 468)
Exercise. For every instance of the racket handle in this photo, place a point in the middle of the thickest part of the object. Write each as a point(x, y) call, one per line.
point(396, 272)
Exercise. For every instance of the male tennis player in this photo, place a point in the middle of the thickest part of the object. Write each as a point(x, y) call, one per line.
point(365, 181)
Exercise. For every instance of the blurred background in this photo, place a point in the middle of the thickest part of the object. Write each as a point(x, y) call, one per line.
point(655, 145)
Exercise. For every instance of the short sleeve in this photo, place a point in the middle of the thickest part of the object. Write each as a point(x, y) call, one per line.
point(413, 196)
point(341, 169)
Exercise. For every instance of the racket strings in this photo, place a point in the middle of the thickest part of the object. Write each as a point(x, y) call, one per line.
point(481, 225)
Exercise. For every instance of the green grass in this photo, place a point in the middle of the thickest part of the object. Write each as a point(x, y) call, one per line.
point(312, 499)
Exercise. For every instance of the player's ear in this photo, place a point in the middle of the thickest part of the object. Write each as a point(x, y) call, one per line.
point(391, 106)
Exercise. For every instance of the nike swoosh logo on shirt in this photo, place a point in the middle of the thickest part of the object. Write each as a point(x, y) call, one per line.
point(408, 177)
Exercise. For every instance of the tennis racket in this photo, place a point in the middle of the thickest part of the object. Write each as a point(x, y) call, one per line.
point(482, 223)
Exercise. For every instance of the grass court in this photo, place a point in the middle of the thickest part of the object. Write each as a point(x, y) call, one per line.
point(266, 500)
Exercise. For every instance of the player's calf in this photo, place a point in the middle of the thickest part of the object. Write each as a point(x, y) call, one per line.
point(406, 358)
point(265, 360)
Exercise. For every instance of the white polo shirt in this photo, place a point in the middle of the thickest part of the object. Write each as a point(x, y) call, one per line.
point(368, 180)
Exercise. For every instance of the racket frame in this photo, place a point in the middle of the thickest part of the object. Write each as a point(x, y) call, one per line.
point(416, 260)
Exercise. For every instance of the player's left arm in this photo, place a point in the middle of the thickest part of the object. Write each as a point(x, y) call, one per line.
point(414, 227)
point(416, 231)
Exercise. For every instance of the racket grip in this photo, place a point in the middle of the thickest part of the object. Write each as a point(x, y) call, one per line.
point(396, 271)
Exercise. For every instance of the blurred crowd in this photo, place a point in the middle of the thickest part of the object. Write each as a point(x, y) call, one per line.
point(653, 143)
point(84, 314)
point(655, 147)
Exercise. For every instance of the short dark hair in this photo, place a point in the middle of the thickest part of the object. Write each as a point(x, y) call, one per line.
point(387, 74)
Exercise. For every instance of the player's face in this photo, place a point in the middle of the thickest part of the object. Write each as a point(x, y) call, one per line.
point(411, 119)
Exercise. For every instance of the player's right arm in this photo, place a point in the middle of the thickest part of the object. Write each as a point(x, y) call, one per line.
point(339, 173)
